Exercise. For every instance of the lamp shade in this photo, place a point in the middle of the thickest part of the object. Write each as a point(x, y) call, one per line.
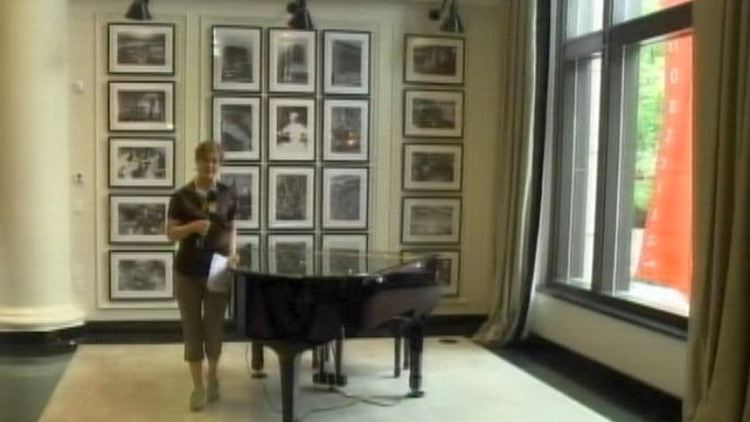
point(138, 10)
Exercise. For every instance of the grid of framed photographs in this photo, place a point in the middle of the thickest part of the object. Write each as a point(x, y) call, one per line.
point(432, 154)
point(140, 160)
point(295, 131)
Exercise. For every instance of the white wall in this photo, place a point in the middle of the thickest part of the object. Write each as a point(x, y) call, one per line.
point(387, 20)
point(653, 358)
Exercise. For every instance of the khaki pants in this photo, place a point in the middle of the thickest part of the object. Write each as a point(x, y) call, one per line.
point(202, 314)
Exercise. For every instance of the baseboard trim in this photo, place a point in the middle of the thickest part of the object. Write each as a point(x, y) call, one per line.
point(159, 332)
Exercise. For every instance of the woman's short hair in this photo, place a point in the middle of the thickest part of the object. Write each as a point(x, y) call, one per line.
point(205, 148)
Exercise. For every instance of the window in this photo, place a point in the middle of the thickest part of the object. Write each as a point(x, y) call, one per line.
point(622, 146)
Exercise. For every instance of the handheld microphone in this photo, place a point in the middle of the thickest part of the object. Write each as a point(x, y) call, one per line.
point(210, 208)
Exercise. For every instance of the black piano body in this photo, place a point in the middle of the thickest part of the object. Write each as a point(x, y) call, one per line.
point(293, 313)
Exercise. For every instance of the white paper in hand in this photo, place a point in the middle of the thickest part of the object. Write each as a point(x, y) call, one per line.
point(219, 276)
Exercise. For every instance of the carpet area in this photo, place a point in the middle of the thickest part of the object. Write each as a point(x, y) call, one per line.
point(462, 382)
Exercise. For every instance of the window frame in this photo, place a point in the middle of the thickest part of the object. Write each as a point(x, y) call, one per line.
point(609, 267)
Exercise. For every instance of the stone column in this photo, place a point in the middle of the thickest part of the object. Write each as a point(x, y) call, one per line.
point(35, 277)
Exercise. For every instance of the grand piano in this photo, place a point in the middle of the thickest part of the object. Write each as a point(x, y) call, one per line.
point(291, 304)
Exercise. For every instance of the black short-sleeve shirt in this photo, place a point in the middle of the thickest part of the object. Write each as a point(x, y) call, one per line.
point(188, 204)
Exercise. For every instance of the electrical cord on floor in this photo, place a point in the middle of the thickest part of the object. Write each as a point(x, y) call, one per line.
point(354, 398)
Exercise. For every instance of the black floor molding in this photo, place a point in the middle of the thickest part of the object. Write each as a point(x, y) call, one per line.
point(596, 386)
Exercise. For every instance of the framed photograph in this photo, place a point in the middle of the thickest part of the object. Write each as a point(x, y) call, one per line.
point(245, 180)
point(236, 58)
point(291, 254)
point(291, 129)
point(346, 129)
point(292, 56)
point(141, 106)
point(291, 197)
point(433, 114)
point(248, 249)
point(138, 219)
point(346, 63)
point(136, 48)
point(141, 275)
point(430, 220)
point(432, 167)
point(345, 198)
point(141, 163)
point(448, 268)
point(236, 125)
point(344, 254)
point(434, 60)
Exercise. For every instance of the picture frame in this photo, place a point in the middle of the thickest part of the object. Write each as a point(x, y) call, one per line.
point(448, 268)
point(292, 254)
point(435, 60)
point(141, 275)
point(141, 163)
point(138, 219)
point(248, 249)
point(335, 259)
point(141, 106)
point(140, 49)
point(236, 53)
point(291, 129)
point(433, 114)
point(432, 167)
point(346, 129)
point(426, 220)
point(292, 60)
point(346, 62)
point(291, 197)
point(245, 180)
point(345, 198)
point(236, 125)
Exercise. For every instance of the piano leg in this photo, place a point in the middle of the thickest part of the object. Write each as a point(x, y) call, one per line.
point(289, 365)
point(396, 350)
point(340, 378)
point(416, 341)
point(257, 360)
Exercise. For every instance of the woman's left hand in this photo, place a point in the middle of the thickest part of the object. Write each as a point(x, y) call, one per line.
point(234, 260)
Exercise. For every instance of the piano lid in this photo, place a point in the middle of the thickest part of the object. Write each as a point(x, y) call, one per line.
point(300, 261)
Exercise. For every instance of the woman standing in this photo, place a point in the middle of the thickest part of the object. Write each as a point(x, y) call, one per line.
point(201, 218)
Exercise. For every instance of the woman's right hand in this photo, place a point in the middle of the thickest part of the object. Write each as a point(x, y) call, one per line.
point(201, 226)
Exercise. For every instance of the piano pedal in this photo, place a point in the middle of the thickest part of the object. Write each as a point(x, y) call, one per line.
point(329, 378)
point(258, 375)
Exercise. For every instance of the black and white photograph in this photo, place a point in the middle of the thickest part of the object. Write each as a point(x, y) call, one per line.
point(291, 127)
point(345, 198)
point(248, 249)
point(236, 58)
point(291, 254)
point(141, 162)
point(291, 60)
point(343, 254)
point(245, 181)
point(138, 219)
point(433, 114)
point(141, 106)
point(346, 127)
point(448, 268)
point(291, 197)
point(141, 48)
point(430, 220)
point(346, 63)
point(434, 60)
point(141, 275)
point(236, 125)
point(432, 167)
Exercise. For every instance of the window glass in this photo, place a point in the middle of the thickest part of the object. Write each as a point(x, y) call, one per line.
point(578, 195)
point(630, 9)
point(583, 17)
point(656, 176)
